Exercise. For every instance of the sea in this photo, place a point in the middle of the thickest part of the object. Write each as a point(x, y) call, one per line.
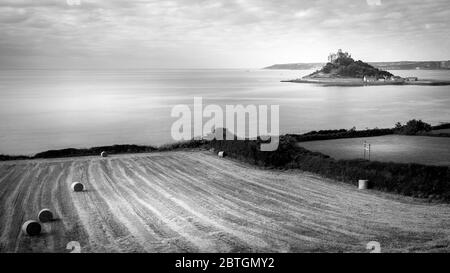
point(56, 109)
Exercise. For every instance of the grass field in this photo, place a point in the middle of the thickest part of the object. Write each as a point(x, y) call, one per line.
point(195, 201)
point(396, 148)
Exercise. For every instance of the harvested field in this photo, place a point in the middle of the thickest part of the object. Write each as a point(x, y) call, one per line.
point(195, 201)
point(396, 148)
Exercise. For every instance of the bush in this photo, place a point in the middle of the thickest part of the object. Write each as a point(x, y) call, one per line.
point(412, 127)
point(13, 157)
point(341, 133)
point(189, 144)
point(115, 149)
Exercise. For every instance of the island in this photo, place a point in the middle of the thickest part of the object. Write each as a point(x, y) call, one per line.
point(401, 65)
point(342, 70)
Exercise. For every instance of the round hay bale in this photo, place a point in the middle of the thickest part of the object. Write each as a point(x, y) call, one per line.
point(31, 228)
point(45, 215)
point(221, 154)
point(104, 154)
point(77, 186)
point(363, 184)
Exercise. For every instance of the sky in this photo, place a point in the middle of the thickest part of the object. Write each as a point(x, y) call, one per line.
point(217, 34)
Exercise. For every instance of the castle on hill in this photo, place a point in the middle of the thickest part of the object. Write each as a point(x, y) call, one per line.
point(334, 56)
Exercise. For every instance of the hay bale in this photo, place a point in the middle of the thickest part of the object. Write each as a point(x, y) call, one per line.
point(363, 184)
point(45, 215)
point(77, 186)
point(31, 228)
point(104, 154)
point(221, 154)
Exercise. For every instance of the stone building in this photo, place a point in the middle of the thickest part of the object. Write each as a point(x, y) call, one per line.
point(334, 56)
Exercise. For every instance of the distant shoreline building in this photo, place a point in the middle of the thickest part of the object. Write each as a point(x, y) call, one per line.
point(411, 79)
point(334, 56)
point(369, 79)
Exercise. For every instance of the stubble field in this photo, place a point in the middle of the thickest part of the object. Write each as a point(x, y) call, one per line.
point(197, 202)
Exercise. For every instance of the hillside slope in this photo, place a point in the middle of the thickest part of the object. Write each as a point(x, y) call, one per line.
point(195, 201)
point(346, 67)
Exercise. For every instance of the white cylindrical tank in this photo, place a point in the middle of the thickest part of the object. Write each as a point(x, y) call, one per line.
point(363, 184)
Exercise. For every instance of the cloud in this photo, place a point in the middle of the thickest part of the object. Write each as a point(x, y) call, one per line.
point(221, 33)
point(374, 2)
point(10, 15)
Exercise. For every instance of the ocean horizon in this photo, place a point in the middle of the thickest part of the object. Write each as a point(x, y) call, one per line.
point(45, 109)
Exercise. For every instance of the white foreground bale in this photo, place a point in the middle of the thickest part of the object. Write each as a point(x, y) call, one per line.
point(31, 228)
point(221, 154)
point(77, 186)
point(363, 184)
point(104, 154)
point(45, 215)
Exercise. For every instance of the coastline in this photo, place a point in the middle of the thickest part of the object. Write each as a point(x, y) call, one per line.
point(359, 82)
point(438, 130)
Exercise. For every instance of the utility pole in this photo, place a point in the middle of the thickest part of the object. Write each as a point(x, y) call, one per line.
point(366, 149)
